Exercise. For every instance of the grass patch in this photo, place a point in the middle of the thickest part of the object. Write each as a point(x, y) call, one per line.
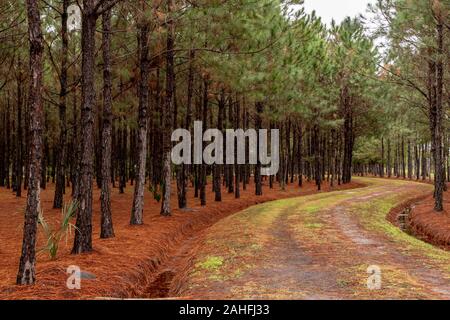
point(233, 244)
point(210, 263)
point(312, 209)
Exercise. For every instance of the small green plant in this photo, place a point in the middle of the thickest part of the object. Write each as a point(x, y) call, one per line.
point(64, 229)
point(156, 194)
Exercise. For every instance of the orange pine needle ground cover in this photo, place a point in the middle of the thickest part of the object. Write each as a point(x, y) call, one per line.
point(429, 225)
point(126, 265)
point(424, 222)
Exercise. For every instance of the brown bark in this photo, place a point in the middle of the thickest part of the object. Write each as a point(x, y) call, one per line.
point(388, 162)
point(402, 154)
point(417, 160)
point(258, 126)
point(138, 200)
point(435, 95)
point(348, 135)
point(26, 274)
point(83, 235)
point(182, 200)
point(167, 114)
point(157, 135)
point(60, 169)
point(230, 168)
point(439, 168)
point(75, 165)
point(8, 145)
point(107, 230)
point(217, 167)
point(122, 132)
point(334, 160)
point(410, 163)
point(202, 177)
point(237, 177)
point(317, 165)
point(424, 161)
point(19, 143)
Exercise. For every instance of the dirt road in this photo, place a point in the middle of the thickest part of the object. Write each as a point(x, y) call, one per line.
point(335, 245)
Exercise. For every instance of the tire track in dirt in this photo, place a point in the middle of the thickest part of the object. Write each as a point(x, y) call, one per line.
point(294, 267)
point(168, 280)
point(288, 257)
point(382, 249)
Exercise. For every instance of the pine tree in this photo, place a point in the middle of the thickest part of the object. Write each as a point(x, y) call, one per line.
point(27, 273)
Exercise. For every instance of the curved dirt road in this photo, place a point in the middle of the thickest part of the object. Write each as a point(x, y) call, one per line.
point(328, 246)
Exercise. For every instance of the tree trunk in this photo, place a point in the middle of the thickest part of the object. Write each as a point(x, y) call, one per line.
point(424, 161)
point(435, 92)
point(258, 126)
point(156, 147)
point(107, 230)
point(83, 236)
point(389, 169)
point(230, 168)
point(203, 165)
point(333, 157)
point(167, 114)
point(2, 148)
point(300, 155)
point(122, 158)
point(19, 162)
point(218, 167)
point(348, 135)
point(317, 166)
point(417, 160)
point(410, 163)
point(182, 180)
point(439, 168)
point(75, 166)
point(237, 177)
point(45, 156)
point(138, 200)
point(8, 144)
point(27, 274)
point(60, 169)
point(403, 158)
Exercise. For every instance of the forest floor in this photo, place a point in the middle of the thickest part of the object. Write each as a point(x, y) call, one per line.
point(429, 226)
point(318, 247)
point(131, 264)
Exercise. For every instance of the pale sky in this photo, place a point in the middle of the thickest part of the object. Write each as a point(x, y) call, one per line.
point(336, 9)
